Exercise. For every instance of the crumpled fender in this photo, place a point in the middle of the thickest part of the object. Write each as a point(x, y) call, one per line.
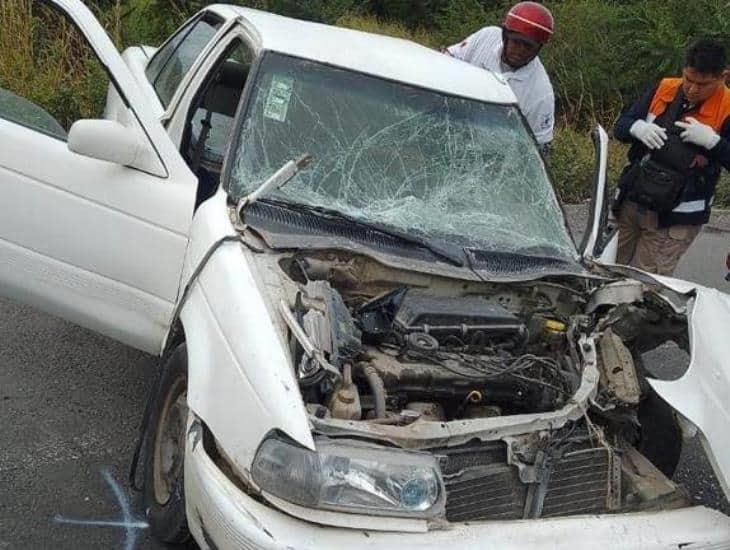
point(240, 380)
point(702, 395)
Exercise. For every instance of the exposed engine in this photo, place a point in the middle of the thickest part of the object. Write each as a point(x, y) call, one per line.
point(407, 354)
point(549, 366)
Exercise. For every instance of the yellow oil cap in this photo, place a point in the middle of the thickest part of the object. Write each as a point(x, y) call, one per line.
point(552, 325)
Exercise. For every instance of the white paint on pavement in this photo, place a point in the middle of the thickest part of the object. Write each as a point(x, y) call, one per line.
point(128, 522)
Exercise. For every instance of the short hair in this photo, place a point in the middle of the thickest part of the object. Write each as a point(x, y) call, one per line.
point(707, 57)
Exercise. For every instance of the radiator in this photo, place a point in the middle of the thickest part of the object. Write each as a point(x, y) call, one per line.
point(480, 485)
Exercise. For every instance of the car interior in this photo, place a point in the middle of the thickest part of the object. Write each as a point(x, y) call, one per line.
point(208, 129)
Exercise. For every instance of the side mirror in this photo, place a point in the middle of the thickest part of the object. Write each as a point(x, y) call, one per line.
point(113, 142)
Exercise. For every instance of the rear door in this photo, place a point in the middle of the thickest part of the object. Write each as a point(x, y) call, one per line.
point(92, 241)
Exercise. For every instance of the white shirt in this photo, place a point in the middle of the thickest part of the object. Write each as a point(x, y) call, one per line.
point(530, 83)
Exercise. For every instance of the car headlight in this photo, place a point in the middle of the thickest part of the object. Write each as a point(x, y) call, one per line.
point(351, 477)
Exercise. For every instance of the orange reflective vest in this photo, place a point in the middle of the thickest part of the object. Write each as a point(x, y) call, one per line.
point(713, 112)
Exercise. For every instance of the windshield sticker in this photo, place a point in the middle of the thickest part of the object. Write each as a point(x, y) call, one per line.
point(277, 102)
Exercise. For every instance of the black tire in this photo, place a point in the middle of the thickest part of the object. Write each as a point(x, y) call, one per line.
point(164, 494)
point(661, 438)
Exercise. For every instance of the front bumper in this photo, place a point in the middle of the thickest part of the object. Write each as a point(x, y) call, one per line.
point(221, 516)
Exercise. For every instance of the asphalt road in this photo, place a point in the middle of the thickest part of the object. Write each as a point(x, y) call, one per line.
point(70, 404)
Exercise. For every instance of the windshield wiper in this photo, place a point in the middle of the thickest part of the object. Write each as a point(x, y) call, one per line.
point(452, 257)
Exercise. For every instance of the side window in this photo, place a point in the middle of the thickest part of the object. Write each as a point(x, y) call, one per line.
point(210, 118)
point(49, 75)
point(173, 60)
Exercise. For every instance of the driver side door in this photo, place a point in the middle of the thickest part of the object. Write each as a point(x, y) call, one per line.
point(94, 239)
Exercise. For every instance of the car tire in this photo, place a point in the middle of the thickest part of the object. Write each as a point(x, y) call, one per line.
point(164, 489)
point(661, 437)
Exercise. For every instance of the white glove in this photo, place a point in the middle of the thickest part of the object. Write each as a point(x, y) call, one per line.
point(649, 134)
point(698, 133)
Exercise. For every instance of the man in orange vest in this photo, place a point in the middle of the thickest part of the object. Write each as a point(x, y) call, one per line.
point(679, 133)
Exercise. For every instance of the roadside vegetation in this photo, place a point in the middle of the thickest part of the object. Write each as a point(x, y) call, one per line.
point(604, 53)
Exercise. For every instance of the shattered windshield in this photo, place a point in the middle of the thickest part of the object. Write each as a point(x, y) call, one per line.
point(452, 169)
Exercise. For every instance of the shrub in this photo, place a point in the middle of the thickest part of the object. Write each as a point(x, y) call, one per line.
point(370, 23)
point(585, 60)
point(423, 13)
point(572, 163)
point(46, 61)
point(460, 19)
point(152, 21)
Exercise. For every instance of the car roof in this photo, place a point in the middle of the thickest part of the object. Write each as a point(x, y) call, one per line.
point(383, 56)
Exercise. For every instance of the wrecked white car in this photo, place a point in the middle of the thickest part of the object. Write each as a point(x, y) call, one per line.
point(374, 327)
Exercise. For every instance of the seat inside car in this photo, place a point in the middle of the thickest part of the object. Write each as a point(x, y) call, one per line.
point(211, 125)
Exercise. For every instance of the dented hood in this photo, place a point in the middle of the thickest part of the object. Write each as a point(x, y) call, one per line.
point(702, 394)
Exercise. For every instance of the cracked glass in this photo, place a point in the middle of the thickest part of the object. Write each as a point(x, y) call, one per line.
point(452, 169)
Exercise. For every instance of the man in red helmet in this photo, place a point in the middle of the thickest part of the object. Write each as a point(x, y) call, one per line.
point(511, 50)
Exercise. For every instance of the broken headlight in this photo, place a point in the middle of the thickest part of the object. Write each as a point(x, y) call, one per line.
point(352, 477)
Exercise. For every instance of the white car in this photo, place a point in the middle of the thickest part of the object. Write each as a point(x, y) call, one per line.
point(374, 327)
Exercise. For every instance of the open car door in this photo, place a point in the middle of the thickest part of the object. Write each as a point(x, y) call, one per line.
point(600, 241)
point(95, 213)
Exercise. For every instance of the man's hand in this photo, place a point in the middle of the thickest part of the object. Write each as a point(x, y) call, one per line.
point(698, 133)
point(649, 134)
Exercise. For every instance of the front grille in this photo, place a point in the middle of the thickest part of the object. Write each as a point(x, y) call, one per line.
point(580, 483)
point(480, 485)
point(487, 492)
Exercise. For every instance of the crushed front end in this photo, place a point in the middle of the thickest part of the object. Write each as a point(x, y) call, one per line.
point(443, 405)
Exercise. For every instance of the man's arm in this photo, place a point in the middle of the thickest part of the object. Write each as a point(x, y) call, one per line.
point(541, 118)
point(465, 49)
point(721, 151)
point(637, 111)
point(716, 144)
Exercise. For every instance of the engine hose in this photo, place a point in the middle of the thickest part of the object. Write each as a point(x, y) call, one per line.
point(378, 389)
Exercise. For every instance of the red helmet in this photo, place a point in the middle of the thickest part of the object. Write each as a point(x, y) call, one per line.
point(531, 19)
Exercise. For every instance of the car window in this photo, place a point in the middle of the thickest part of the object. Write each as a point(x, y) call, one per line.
point(445, 167)
point(49, 74)
point(209, 125)
point(173, 60)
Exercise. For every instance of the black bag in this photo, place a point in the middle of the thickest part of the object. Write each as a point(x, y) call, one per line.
point(652, 185)
point(657, 180)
